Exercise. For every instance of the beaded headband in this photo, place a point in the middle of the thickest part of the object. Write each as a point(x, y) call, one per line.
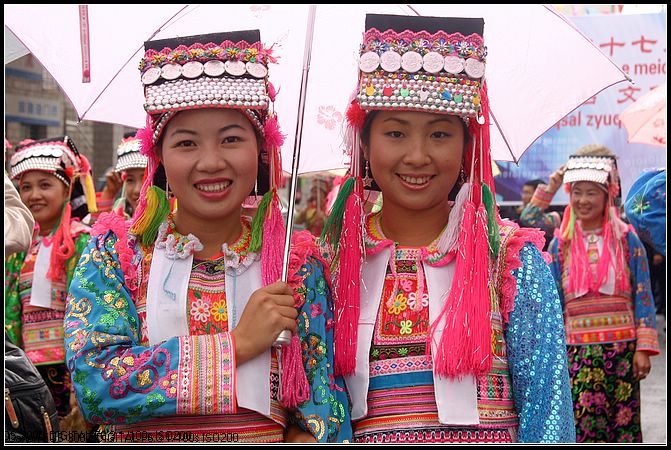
point(129, 156)
point(206, 71)
point(596, 169)
point(57, 156)
point(427, 71)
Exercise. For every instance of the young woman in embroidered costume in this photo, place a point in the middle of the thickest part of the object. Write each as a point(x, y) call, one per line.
point(601, 270)
point(171, 329)
point(55, 184)
point(127, 176)
point(449, 327)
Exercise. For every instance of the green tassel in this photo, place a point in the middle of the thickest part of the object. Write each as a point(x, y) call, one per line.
point(492, 225)
point(333, 226)
point(156, 198)
point(571, 225)
point(257, 222)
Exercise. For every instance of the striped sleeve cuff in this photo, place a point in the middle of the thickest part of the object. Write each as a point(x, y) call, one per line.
point(206, 384)
point(646, 339)
point(541, 197)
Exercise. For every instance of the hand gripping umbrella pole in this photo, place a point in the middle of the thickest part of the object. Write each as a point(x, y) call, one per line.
point(284, 337)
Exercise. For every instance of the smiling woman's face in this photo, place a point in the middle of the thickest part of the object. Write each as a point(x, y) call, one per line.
point(415, 157)
point(44, 195)
point(210, 158)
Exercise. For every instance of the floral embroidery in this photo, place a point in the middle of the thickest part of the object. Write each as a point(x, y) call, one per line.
point(200, 310)
point(623, 391)
point(169, 384)
point(315, 310)
point(177, 246)
point(219, 311)
point(397, 305)
point(406, 327)
point(414, 304)
point(314, 350)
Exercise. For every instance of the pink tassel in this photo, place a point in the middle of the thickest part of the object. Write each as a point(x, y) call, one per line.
point(273, 243)
point(347, 294)
point(63, 247)
point(580, 273)
point(479, 308)
point(295, 387)
point(448, 360)
point(272, 93)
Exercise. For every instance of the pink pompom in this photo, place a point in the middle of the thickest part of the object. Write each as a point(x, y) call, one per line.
point(272, 133)
point(356, 116)
point(145, 135)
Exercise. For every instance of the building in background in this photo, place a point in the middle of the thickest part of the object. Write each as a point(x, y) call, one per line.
point(36, 108)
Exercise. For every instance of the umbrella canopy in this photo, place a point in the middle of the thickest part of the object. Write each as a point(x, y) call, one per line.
point(540, 67)
point(645, 119)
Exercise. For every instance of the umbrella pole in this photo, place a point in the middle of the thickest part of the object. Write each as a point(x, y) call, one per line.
point(284, 337)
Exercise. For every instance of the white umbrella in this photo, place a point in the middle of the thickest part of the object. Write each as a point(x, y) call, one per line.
point(540, 67)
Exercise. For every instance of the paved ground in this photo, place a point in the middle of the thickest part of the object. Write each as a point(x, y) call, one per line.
point(653, 393)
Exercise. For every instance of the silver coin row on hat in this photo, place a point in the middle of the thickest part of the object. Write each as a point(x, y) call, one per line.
point(212, 68)
point(55, 151)
point(204, 92)
point(35, 163)
point(593, 175)
point(131, 161)
point(589, 163)
point(411, 62)
point(128, 147)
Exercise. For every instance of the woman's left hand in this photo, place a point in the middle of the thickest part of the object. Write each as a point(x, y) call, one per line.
point(641, 365)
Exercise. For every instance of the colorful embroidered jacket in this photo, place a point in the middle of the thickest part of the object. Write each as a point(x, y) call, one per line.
point(599, 318)
point(39, 329)
point(395, 395)
point(534, 215)
point(148, 366)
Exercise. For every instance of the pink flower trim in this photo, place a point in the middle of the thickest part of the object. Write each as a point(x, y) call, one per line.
point(110, 221)
point(518, 238)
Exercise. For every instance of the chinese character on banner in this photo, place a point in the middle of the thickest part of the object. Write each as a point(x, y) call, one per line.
point(635, 42)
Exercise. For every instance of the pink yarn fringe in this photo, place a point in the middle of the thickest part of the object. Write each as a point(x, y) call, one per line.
point(63, 247)
point(347, 293)
point(295, 386)
point(465, 345)
point(580, 279)
point(110, 221)
point(478, 311)
point(272, 246)
point(512, 261)
point(448, 360)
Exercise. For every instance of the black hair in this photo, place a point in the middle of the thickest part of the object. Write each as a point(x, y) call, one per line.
point(534, 183)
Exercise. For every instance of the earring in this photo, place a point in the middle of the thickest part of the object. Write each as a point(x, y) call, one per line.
point(462, 176)
point(256, 189)
point(367, 180)
point(167, 190)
